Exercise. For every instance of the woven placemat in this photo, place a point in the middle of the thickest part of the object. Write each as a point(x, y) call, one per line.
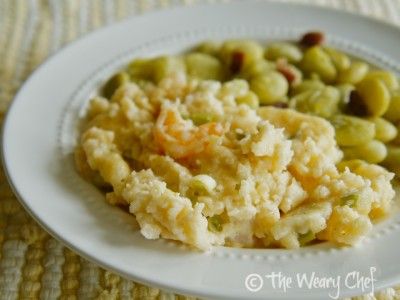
point(32, 264)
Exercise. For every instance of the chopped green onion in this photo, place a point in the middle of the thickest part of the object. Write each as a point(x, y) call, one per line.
point(193, 199)
point(349, 200)
point(306, 238)
point(203, 182)
point(215, 223)
point(201, 118)
point(240, 135)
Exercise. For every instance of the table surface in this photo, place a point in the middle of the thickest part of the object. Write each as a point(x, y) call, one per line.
point(32, 264)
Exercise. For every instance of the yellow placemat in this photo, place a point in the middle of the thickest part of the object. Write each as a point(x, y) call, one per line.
point(32, 264)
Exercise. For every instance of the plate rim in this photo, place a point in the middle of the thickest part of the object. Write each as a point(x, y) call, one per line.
point(72, 44)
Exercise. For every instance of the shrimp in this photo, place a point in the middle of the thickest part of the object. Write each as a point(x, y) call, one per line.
point(180, 138)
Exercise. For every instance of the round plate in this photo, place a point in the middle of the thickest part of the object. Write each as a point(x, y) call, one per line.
point(41, 129)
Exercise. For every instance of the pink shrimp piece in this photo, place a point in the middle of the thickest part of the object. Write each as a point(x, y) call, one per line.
point(179, 138)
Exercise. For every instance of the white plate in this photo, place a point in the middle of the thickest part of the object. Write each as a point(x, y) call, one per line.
point(40, 132)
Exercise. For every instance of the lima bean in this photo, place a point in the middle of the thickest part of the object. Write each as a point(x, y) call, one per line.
point(393, 111)
point(308, 85)
point(292, 74)
point(270, 87)
point(339, 59)
point(323, 102)
point(352, 131)
point(387, 77)
point(396, 140)
point(384, 130)
point(354, 74)
point(165, 66)
point(257, 68)
point(351, 164)
point(284, 50)
point(375, 95)
point(209, 47)
point(372, 152)
point(203, 66)
point(250, 50)
point(316, 60)
point(141, 69)
point(393, 156)
point(345, 90)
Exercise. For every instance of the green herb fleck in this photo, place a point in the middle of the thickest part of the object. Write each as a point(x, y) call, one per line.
point(201, 118)
point(349, 200)
point(306, 238)
point(215, 223)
